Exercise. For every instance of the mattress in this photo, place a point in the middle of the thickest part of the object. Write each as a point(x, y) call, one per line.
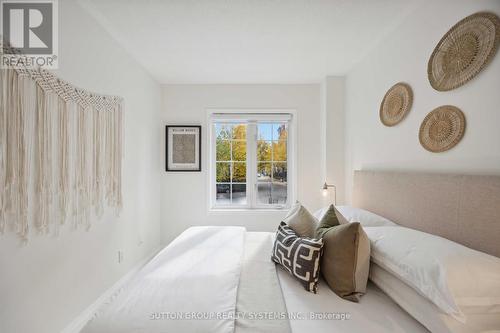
point(327, 312)
point(227, 270)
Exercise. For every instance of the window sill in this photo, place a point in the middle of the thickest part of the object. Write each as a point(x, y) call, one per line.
point(224, 211)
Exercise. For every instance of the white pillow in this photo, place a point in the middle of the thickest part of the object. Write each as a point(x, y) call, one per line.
point(450, 275)
point(351, 214)
point(366, 218)
point(320, 213)
point(479, 319)
point(412, 302)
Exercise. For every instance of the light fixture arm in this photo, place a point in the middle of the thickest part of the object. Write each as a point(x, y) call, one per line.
point(325, 188)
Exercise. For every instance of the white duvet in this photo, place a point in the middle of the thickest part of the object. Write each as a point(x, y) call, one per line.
point(202, 264)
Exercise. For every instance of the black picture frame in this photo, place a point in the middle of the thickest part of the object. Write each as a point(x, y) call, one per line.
point(168, 168)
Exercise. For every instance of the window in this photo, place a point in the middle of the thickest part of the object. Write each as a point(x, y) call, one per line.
point(250, 160)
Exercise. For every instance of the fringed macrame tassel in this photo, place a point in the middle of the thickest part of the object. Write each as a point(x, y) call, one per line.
point(88, 169)
point(79, 167)
point(63, 161)
point(43, 161)
point(39, 178)
point(114, 151)
point(74, 163)
point(118, 159)
point(27, 110)
point(11, 145)
point(110, 136)
point(67, 142)
point(3, 144)
point(99, 156)
point(15, 152)
point(84, 166)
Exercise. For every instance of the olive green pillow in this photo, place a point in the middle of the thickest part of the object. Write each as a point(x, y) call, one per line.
point(328, 220)
point(346, 256)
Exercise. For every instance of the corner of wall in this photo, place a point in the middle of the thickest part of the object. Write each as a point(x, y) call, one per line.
point(333, 133)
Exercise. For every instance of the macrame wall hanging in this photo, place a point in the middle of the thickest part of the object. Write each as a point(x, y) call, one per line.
point(60, 153)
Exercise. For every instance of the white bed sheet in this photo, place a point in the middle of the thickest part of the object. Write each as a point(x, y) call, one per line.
point(194, 277)
point(259, 290)
point(204, 264)
point(328, 313)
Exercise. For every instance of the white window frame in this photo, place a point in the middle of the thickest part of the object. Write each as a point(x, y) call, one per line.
point(252, 116)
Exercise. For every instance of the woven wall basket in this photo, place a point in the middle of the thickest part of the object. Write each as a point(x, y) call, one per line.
point(442, 129)
point(464, 51)
point(396, 104)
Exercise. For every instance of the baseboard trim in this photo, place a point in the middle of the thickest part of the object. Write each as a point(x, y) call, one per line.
point(79, 322)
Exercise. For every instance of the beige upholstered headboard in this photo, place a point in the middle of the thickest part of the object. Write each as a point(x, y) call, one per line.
point(462, 208)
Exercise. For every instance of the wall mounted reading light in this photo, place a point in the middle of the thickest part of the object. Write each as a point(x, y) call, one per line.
point(325, 191)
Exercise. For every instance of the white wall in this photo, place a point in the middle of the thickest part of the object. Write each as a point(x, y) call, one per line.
point(46, 284)
point(184, 195)
point(403, 56)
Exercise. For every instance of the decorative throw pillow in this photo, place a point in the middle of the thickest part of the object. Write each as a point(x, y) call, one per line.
point(294, 209)
point(346, 256)
point(301, 221)
point(299, 256)
point(328, 219)
point(322, 211)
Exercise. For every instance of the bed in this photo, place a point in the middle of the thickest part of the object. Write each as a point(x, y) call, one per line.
point(221, 279)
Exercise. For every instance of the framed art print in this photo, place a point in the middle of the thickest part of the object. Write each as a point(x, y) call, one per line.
point(183, 148)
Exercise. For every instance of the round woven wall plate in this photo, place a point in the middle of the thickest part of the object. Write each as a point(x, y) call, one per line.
point(464, 51)
point(396, 104)
point(442, 129)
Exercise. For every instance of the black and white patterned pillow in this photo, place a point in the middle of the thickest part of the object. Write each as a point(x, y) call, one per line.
point(299, 256)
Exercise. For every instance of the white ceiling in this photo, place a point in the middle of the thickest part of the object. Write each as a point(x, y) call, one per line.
point(248, 41)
